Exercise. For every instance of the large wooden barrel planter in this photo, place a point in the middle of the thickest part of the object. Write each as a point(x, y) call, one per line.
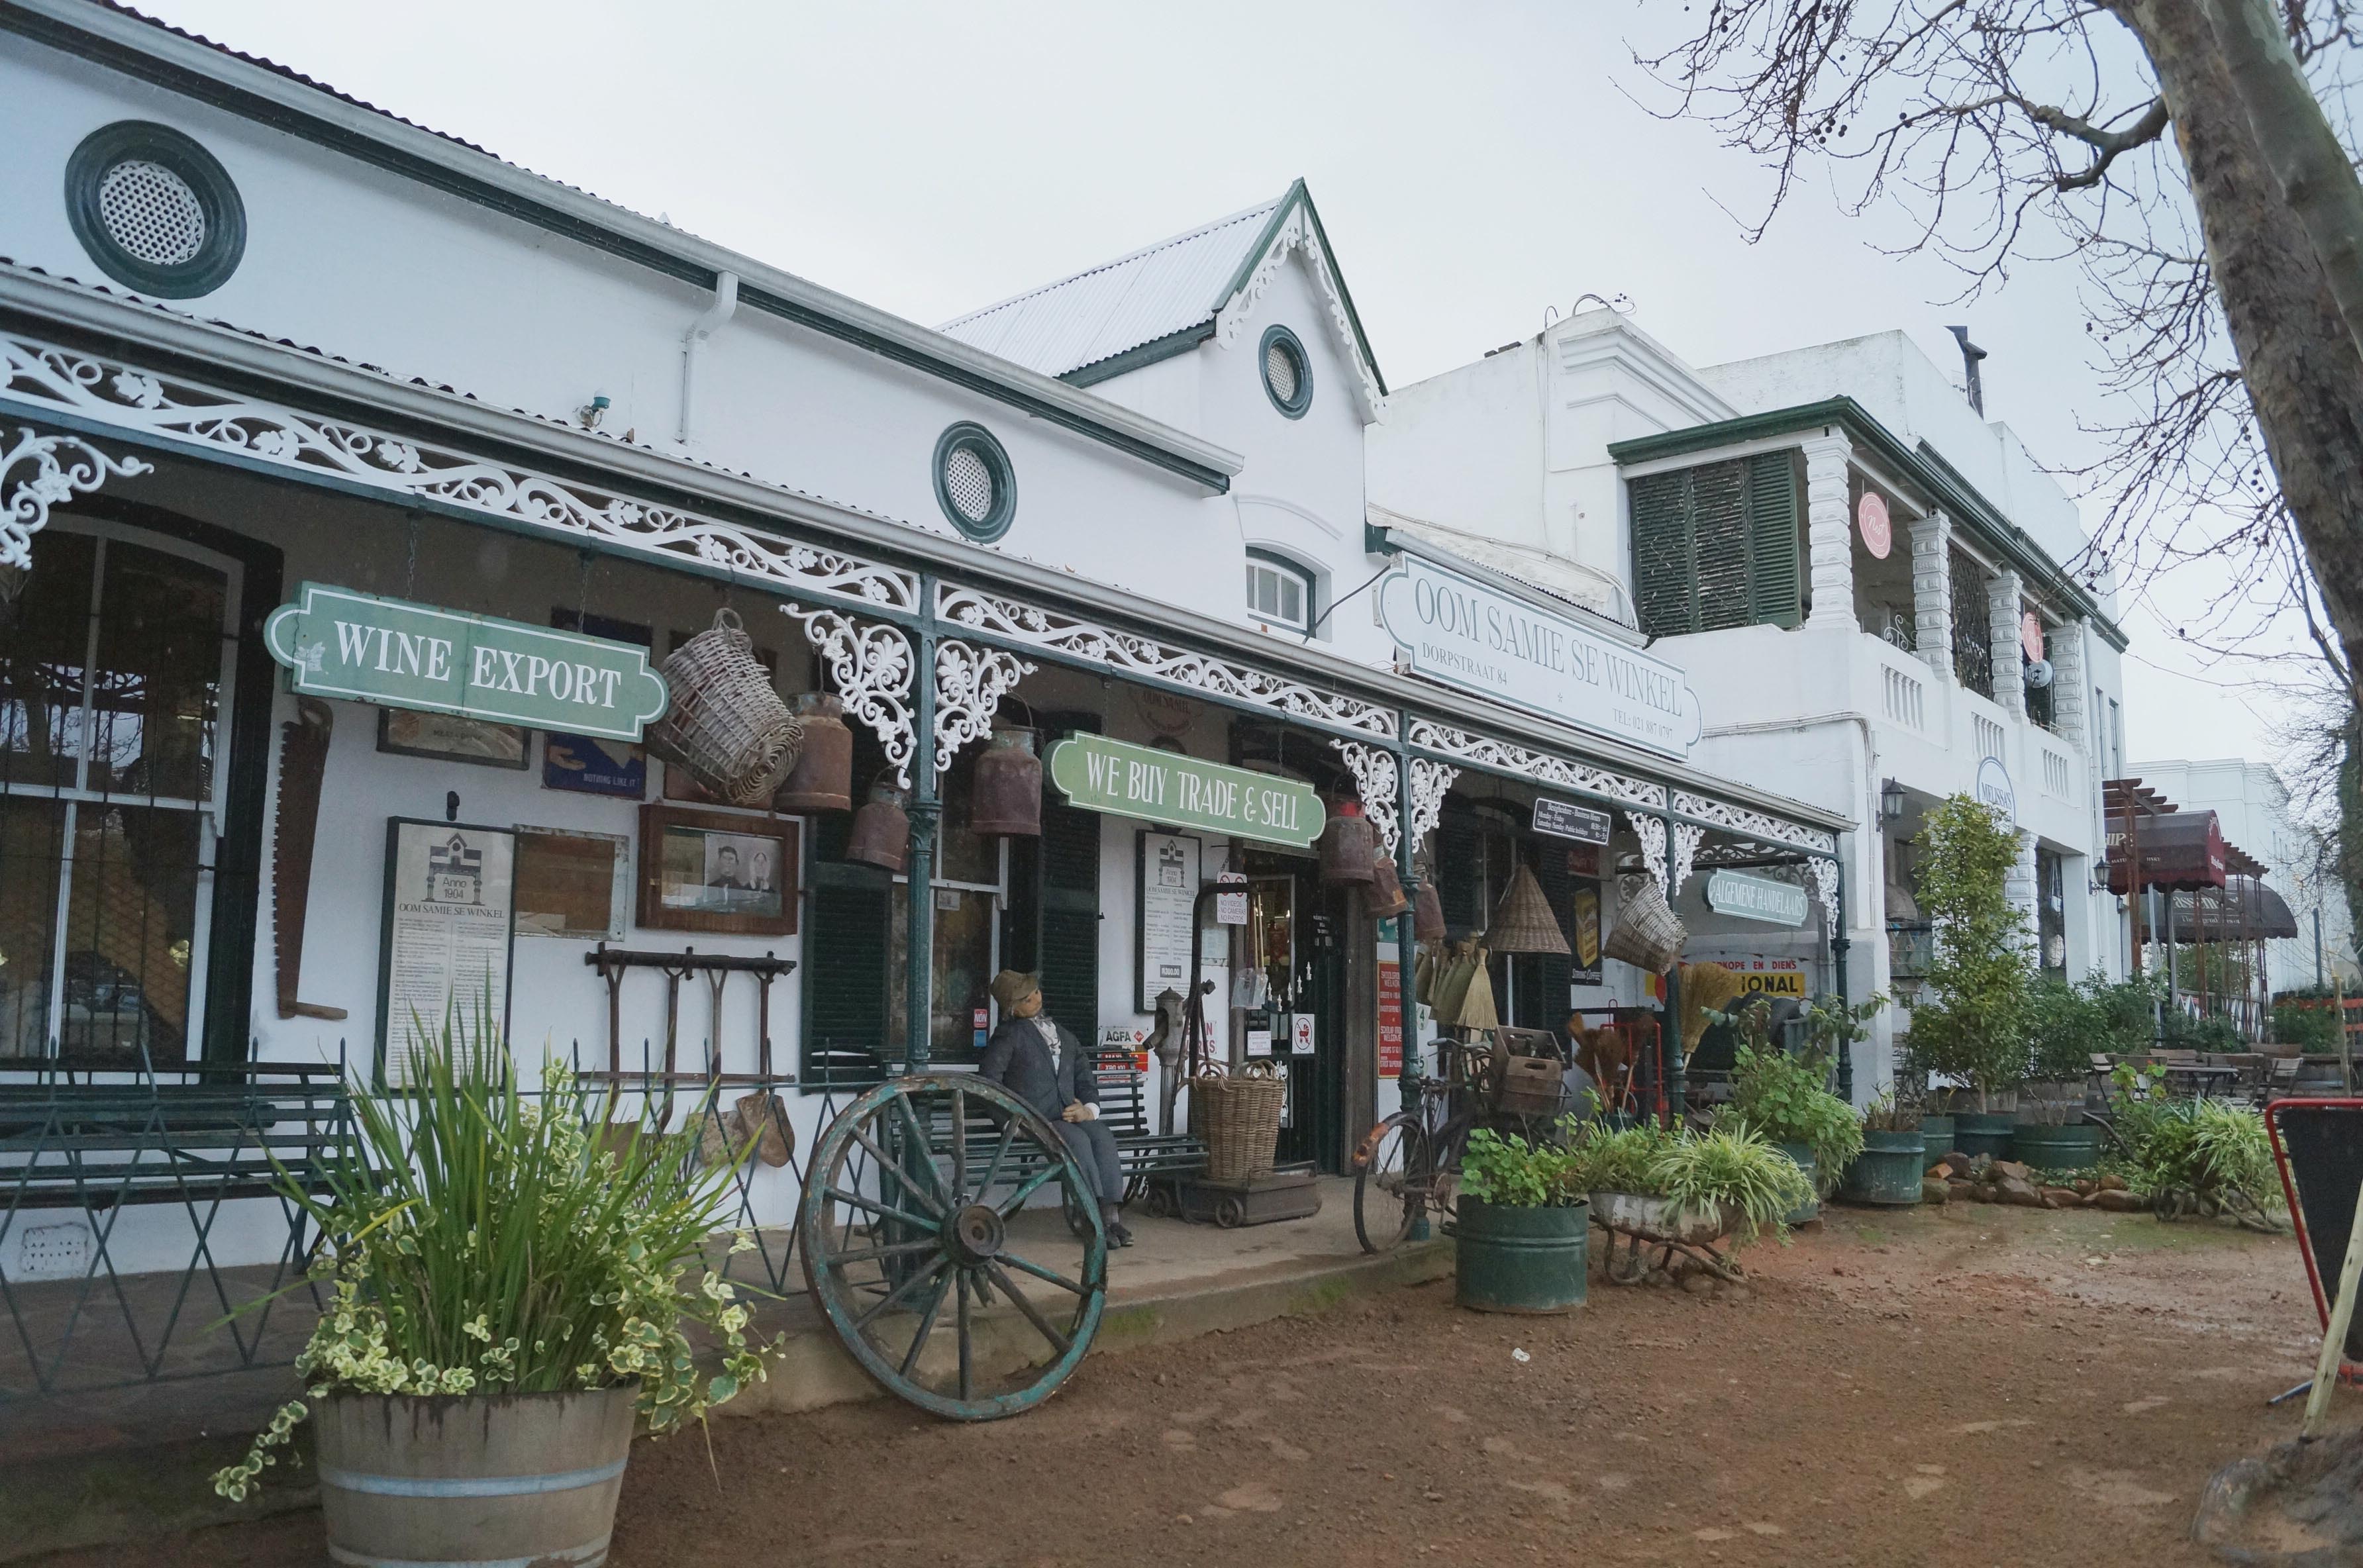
point(1978, 1132)
point(1887, 1172)
point(1520, 1260)
point(2068, 1148)
point(1936, 1139)
point(449, 1480)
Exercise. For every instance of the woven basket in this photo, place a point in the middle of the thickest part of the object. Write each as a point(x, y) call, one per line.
point(1237, 1114)
point(1647, 932)
point(726, 726)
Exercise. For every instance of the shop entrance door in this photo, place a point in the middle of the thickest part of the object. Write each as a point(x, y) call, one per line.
point(1295, 939)
point(116, 670)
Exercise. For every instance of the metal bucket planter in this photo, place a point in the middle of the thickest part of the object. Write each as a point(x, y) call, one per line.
point(1887, 1172)
point(1978, 1132)
point(1802, 1156)
point(2069, 1148)
point(463, 1479)
point(1519, 1259)
point(1936, 1139)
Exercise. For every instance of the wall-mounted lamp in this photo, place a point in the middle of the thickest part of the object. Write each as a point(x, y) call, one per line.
point(1891, 802)
point(592, 412)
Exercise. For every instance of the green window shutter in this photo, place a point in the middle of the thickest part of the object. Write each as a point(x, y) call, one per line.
point(846, 964)
point(1662, 599)
point(1067, 879)
point(1775, 586)
point(1457, 889)
point(1720, 536)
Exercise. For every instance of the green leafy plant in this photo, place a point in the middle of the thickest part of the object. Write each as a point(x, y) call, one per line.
point(1832, 1025)
point(1618, 1160)
point(2213, 1032)
point(2126, 1011)
point(1785, 1099)
point(1886, 1114)
point(479, 1242)
point(1972, 1020)
point(1734, 1169)
point(1517, 1173)
point(2312, 1029)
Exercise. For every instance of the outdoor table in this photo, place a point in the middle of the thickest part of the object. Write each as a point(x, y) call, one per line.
point(2199, 1079)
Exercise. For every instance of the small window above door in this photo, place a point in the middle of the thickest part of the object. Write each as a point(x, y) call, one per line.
point(1280, 592)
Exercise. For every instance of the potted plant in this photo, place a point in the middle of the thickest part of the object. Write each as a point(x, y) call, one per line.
point(1685, 1192)
point(1970, 1026)
point(508, 1292)
point(1521, 1227)
point(1785, 1101)
point(1887, 1172)
point(2065, 1025)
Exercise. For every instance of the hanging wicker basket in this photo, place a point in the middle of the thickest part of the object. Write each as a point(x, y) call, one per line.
point(1647, 932)
point(725, 727)
point(1237, 1114)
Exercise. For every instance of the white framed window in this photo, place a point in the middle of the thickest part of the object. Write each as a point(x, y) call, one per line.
point(1280, 594)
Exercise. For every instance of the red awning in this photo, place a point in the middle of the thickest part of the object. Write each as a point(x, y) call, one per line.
point(2178, 849)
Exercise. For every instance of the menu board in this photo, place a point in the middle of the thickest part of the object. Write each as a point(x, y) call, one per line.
point(444, 948)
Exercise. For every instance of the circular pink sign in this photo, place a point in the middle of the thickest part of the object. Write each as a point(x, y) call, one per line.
point(2030, 635)
point(1877, 531)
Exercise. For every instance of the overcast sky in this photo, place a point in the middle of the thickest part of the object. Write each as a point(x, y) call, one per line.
point(1474, 164)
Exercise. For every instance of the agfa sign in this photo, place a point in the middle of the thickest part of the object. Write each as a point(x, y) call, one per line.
point(1456, 630)
point(398, 655)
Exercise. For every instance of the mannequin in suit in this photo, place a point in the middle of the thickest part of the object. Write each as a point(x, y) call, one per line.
point(1042, 1063)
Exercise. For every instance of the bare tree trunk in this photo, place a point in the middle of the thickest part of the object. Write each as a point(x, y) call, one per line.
point(2296, 141)
point(2303, 370)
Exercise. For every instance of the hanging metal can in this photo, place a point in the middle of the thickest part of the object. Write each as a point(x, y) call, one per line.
point(821, 779)
point(1428, 922)
point(1348, 847)
point(882, 833)
point(1386, 894)
point(1007, 797)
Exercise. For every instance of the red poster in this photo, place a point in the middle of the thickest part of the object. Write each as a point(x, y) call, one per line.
point(1390, 1019)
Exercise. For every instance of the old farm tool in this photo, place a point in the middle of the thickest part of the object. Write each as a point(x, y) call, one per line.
point(1642, 1221)
point(926, 1250)
point(303, 762)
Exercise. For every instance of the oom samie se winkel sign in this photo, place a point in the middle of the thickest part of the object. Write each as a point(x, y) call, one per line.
point(366, 649)
point(1458, 631)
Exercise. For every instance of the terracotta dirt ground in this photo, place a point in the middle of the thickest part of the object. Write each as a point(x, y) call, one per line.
point(1969, 1386)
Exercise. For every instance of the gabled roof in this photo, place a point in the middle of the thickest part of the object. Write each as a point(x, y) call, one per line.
point(1166, 298)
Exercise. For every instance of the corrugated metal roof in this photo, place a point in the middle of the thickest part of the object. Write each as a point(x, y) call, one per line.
point(1153, 292)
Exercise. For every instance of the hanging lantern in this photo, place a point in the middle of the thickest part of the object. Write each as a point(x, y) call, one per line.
point(1387, 899)
point(882, 833)
point(821, 779)
point(1348, 847)
point(1007, 798)
point(1524, 923)
point(1428, 925)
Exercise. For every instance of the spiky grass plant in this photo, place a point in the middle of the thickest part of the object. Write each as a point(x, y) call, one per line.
point(1732, 1169)
point(478, 1243)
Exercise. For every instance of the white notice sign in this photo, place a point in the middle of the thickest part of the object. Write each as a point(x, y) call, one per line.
point(1456, 630)
point(1231, 908)
point(1169, 893)
point(449, 897)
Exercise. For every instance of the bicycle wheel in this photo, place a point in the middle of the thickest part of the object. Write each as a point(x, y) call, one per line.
point(1449, 1142)
point(1388, 1185)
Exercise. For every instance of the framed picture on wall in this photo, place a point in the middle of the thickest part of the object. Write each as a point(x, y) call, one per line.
point(445, 938)
point(572, 883)
point(446, 737)
point(717, 871)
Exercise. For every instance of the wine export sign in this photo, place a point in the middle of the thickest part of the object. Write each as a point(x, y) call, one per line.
point(1457, 631)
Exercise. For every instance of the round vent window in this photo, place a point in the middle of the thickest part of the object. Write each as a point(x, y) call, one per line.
point(155, 210)
point(1287, 374)
point(973, 483)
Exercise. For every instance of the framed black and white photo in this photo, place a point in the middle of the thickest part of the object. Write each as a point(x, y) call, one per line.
point(717, 871)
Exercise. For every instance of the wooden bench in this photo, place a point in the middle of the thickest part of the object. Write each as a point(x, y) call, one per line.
point(1142, 1151)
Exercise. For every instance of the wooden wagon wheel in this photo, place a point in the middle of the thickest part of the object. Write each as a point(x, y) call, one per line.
point(915, 1221)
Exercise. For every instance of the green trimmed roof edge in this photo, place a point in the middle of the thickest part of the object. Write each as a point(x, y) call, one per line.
point(1297, 192)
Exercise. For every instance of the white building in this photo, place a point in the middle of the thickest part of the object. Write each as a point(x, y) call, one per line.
point(1846, 557)
point(2252, 805)
point(265, 346)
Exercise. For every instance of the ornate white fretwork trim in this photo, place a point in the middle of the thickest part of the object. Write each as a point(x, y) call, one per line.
point(969, 684)
point(1825, 874)
point(1754, 824)
point(1651, 831)
point(61, 468)
point(188, 413)
point(872, 666)
point(1686, 844)
point(1374, 778)
point(1536, 764)
point(1430, 781)
point(1297, 234)
point(1128, 654)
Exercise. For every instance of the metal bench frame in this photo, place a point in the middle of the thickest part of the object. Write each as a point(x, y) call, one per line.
point(1124, 1109)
